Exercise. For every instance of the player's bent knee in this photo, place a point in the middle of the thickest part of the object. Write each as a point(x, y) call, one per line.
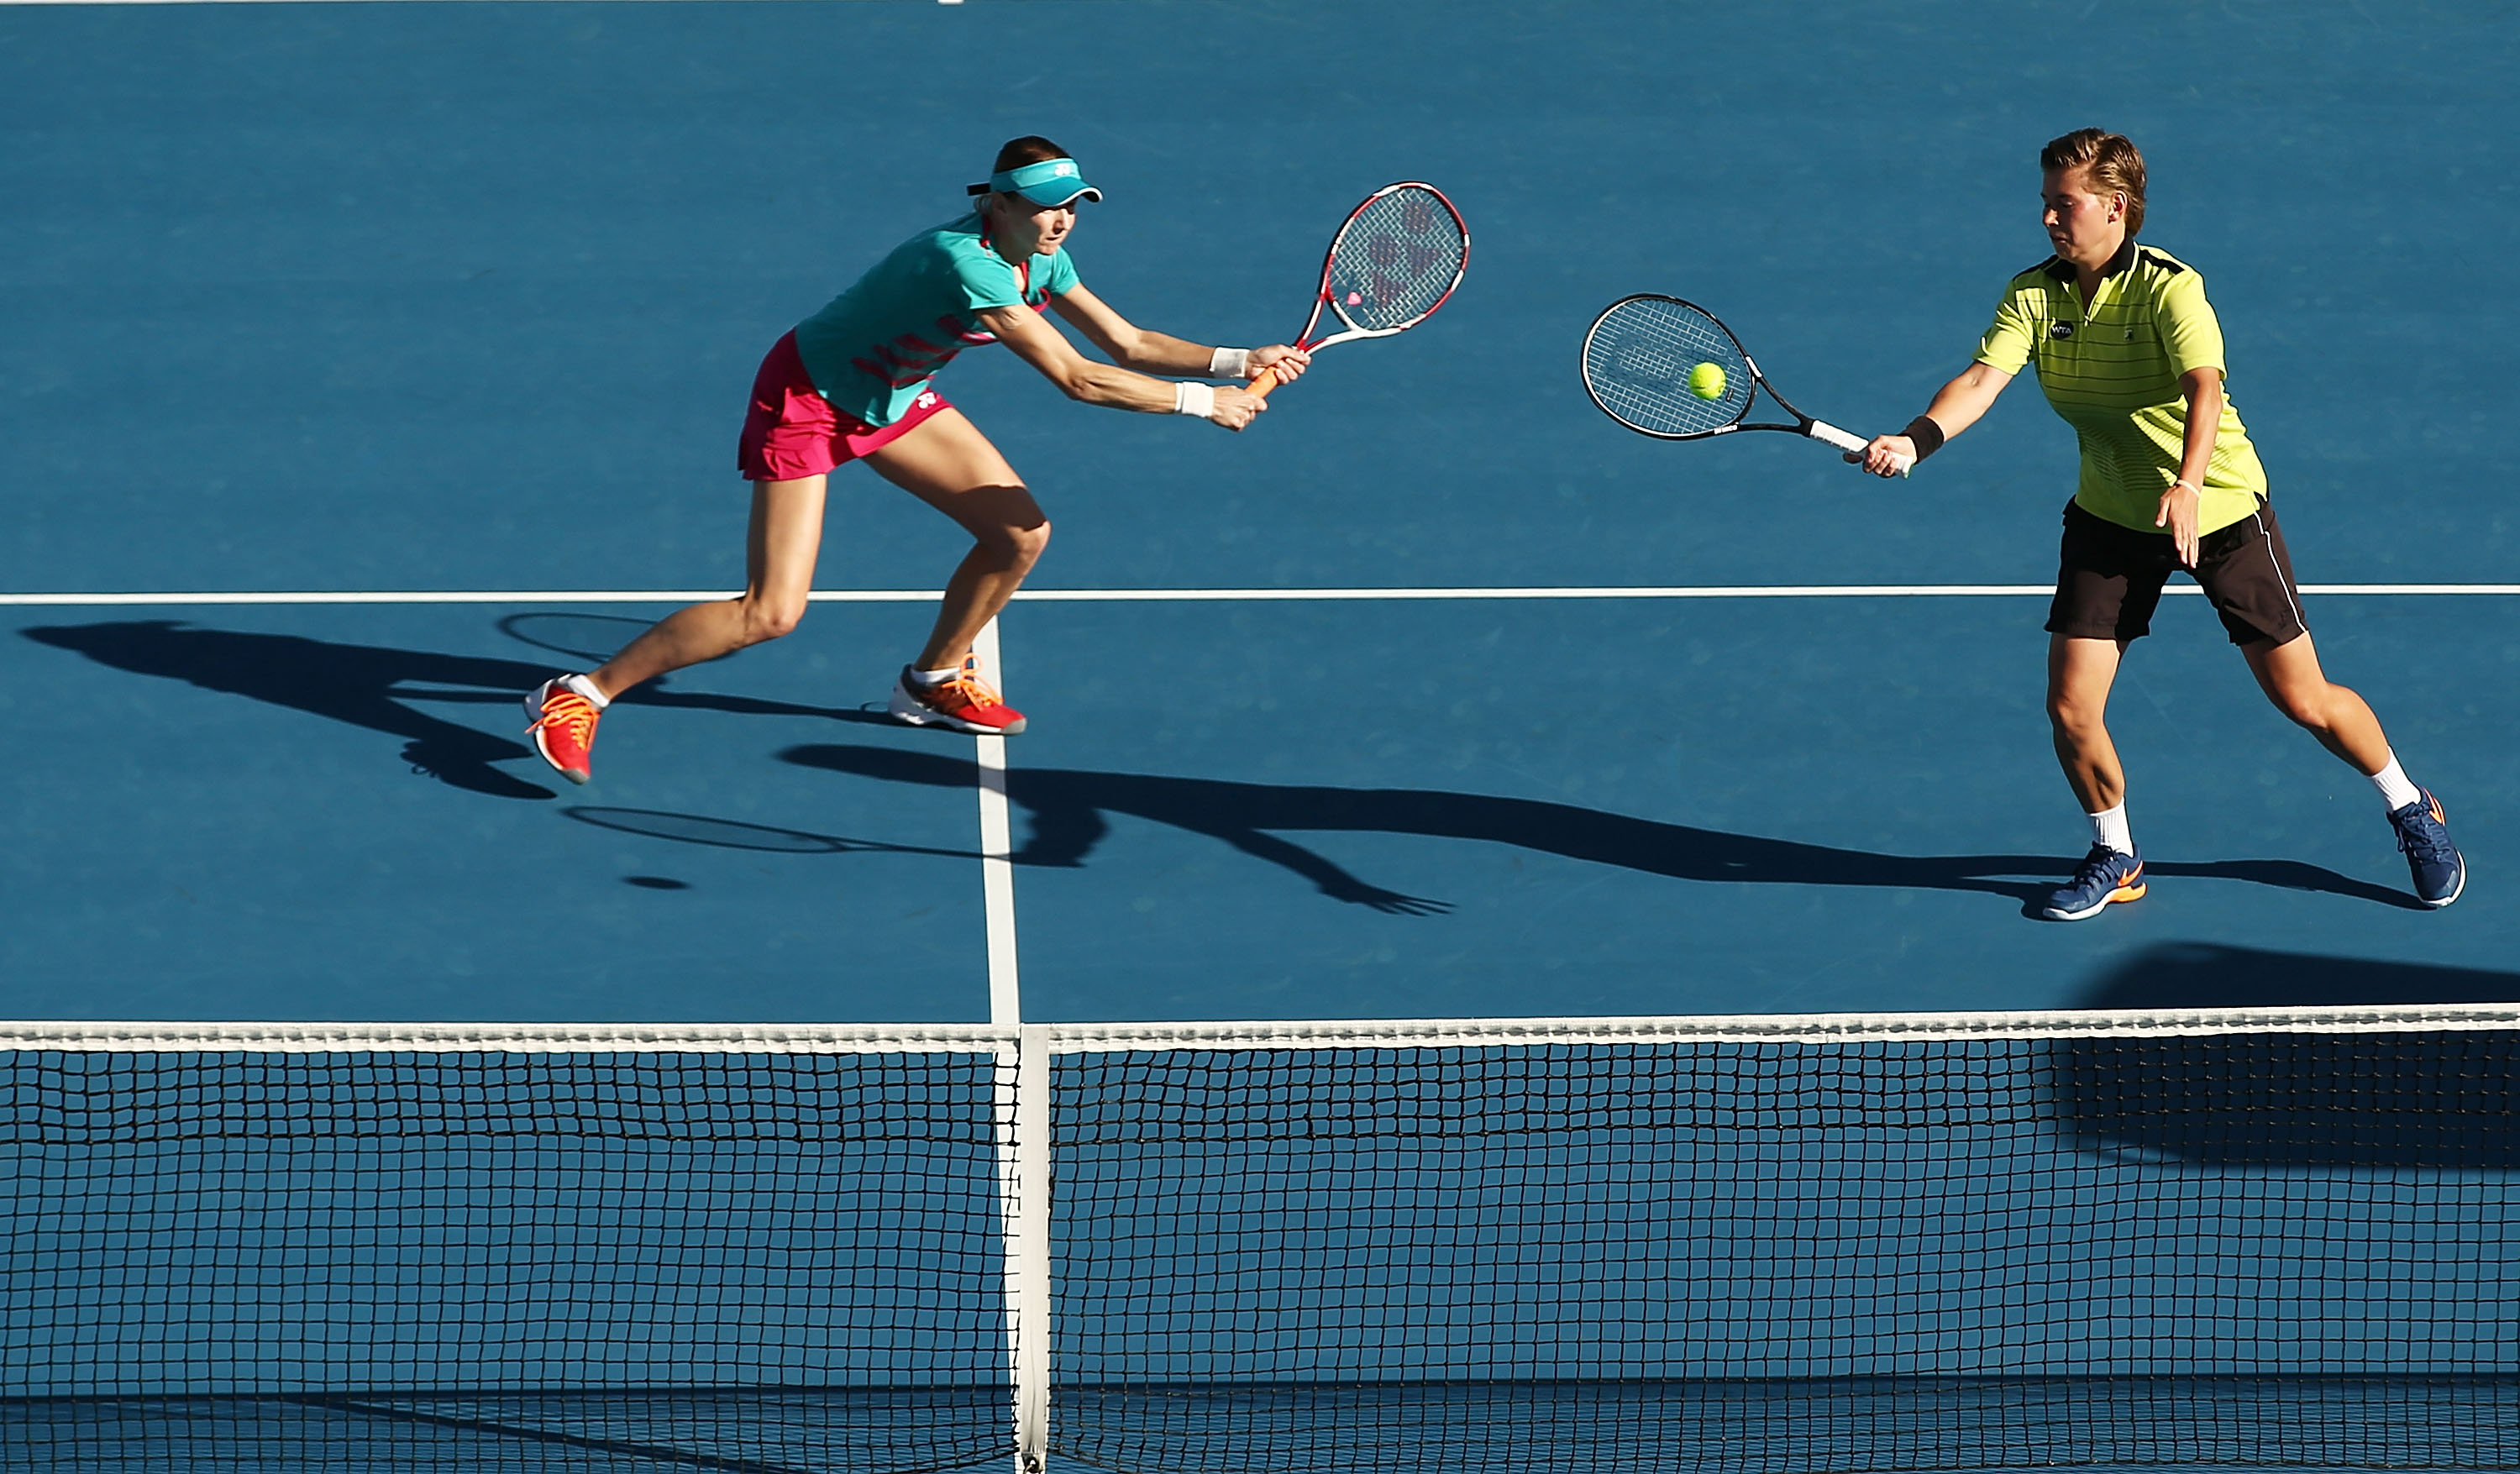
point(764, 620)
point(2309, 712)
point(1020, 548)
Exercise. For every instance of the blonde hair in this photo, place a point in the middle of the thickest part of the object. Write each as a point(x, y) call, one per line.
point(2114, 164)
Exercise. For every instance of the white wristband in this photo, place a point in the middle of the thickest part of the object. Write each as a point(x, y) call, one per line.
point(1230, 363)
point(1193, 399)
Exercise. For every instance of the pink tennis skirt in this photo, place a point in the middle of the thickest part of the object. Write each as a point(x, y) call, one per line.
point(790, 431)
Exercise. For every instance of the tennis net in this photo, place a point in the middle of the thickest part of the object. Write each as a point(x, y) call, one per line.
point(1770, 1245)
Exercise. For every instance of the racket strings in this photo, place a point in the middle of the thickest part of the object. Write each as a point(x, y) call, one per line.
point(1639, 359)
point(1396, 259)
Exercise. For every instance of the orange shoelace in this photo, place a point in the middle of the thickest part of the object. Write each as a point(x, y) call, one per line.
point(974, 691)
point(570, 714)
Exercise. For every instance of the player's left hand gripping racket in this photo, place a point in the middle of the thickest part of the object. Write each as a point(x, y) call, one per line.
point(1637, 359)
point(1393, 263)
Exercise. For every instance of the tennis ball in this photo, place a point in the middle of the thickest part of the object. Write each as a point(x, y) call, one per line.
point(1706, 380)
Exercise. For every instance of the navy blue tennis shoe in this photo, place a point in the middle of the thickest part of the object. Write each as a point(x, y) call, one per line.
point(2423, 834)
point(2104, 876)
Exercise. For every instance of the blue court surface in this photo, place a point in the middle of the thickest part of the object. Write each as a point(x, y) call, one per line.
point(361, 299)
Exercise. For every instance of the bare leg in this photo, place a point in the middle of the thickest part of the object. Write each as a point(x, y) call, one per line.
point(948, 463)
point(786, 534)
point(2342, 721)
point(2079, 673)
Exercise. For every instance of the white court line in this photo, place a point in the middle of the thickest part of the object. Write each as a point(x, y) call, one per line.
point(1021, 1092)
point(1157, 595)
point(997, 846)
point(5, 3)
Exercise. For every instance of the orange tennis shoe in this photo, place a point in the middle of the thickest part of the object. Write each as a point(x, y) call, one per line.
point(563, 729)
point(962, 702)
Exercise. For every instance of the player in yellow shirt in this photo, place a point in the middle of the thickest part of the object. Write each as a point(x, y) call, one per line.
point(2129, 353)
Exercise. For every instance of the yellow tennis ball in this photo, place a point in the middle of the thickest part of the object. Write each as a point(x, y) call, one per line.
point(1706, 380)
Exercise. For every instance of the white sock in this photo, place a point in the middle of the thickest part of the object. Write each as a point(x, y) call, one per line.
point(2395, 790)
point(585, 687)
point(2109, 827)
point(935, 677)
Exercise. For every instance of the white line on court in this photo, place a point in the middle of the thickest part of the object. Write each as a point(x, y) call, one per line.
point(1022, 1089)
point(5, 3)
point(1155, 595)
point(997, 870)
point(997, 846)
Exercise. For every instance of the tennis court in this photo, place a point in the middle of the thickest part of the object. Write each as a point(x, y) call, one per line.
point(368, 363)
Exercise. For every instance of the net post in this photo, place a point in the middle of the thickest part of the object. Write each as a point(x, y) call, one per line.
point(1023, 1174)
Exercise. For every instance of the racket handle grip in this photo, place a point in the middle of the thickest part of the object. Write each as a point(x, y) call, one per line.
point(1853, 444)
point(1261, 383)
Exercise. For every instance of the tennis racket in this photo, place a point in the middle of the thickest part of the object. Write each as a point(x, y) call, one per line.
point(1645, 364)
point(1393, 263)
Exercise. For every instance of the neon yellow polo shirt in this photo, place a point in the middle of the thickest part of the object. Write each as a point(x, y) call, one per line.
point(2112, 374)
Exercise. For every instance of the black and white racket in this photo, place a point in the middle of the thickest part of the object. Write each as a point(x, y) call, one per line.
point(1668, 369)
point(1394, 262)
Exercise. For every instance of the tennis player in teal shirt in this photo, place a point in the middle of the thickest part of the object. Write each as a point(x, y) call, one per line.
point(856, 382)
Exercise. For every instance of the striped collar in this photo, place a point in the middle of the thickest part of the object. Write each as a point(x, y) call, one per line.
point(2063, 270)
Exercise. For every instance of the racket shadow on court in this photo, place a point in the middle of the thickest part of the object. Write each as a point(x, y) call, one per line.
point(739, 835)
point(1069, 812)
point(376, 687)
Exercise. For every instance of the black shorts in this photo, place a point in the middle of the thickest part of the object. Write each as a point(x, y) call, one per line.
point(2109, 578)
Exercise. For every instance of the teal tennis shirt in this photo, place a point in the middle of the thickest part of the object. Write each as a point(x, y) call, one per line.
point(875, 346)
point(2112, 372)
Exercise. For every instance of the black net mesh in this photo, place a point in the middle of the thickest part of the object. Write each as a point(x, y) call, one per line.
point(1638, 358)
point(2266, 1250)
point(2274, 1249)
point(1395, 261)
point(500, 1262)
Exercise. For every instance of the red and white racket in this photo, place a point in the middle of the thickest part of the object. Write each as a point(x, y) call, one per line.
point(1393, 263)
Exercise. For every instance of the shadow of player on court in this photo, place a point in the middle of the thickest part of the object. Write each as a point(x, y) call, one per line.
point(2332, 1097)
point(375, 688)
point(2212, 975)
point(1069, 811)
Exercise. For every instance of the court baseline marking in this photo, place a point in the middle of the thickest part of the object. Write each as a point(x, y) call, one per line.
point(276, 597)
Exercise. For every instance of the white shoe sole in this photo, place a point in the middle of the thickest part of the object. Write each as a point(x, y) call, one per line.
point(2111, 899)
point(907, 709)
point(2455, 891)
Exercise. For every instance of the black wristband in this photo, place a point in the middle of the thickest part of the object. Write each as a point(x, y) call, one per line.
point(1926, 433)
